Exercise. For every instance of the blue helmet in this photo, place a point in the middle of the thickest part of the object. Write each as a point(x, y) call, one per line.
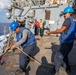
point(14, 25)
point(68, 9)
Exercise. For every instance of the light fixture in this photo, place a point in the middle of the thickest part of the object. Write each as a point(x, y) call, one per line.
point(8, 15)
point(9, 7)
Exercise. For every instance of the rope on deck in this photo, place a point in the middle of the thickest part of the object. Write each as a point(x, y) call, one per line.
point(21, 50)
point(35, 60)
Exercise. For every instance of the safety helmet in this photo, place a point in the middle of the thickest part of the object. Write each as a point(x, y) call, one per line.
point(14, 25)
point(21, 19)
point(68, 9)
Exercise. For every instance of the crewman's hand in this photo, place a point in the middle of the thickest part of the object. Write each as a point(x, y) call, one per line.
point(48, 32)
point(12, 47)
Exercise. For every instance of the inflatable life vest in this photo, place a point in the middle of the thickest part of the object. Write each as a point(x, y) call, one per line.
point(69, 35)
point(30, 39)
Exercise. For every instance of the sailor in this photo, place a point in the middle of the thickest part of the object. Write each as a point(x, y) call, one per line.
point(36, 25)
point(26, 40)
point(67, 32)
point(41, 26)
point(21, 21)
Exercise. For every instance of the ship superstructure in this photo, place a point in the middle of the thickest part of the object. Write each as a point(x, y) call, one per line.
point(47, 10)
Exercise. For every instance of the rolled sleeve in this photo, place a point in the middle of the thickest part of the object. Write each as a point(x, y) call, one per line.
point(67, 22)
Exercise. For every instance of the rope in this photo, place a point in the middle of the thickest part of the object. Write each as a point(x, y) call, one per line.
point(29, 56)
point(35, 60)
point(6, 50)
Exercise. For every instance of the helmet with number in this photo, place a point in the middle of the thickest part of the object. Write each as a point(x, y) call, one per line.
point(68, 9)
point(14, 25)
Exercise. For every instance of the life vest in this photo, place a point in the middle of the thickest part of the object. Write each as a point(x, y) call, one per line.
point(36, 24)
point(41, 24)
point(69, 35)
point(30, 38)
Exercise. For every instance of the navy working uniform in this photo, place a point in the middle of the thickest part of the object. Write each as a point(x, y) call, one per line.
point(67, 36)
point(28, 46)
point(66, 44)
point(24, 38)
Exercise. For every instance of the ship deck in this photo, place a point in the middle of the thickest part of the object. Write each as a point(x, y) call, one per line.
point(44, 54)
